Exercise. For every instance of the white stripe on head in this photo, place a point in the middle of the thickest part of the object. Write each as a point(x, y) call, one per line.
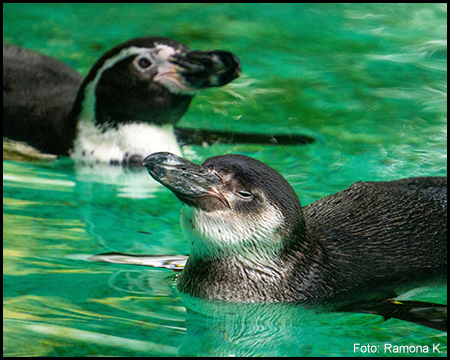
point(88, 106)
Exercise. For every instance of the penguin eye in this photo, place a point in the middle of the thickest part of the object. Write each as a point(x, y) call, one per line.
point(245, 194)
point(143, 63)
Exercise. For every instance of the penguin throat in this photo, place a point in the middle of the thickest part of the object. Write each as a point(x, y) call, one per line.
point(220, 233)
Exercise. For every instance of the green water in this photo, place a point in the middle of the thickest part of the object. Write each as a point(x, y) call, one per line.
point(368, 81)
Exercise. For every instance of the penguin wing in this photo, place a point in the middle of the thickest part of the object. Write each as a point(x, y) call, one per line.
point(174, 262)
point(199, 137)
point(427, 314)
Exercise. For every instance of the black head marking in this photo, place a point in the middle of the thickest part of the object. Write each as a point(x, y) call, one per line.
point(126, 92)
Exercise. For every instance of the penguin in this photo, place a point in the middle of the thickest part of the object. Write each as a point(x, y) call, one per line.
point(125, 108)
point(252, 241)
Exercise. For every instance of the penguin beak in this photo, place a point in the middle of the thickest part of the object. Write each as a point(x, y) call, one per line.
point(204, 69)
point(191, 183)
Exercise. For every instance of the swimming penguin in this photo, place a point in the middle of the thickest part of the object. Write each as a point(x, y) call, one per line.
point(252, 241)
point(125, 108)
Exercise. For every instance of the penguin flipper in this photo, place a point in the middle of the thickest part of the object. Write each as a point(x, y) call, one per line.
point(423, 313)
point(199, 137)
point(174, 262)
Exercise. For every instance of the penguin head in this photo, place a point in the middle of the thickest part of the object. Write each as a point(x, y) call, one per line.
point(150, 79)
point(233, 203)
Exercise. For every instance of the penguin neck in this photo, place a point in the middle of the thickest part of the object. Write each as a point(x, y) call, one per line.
point(109, 106)
point(213, 237)
point(115, 142)
point(250, 264)
point(102, 138)
point(287, 276)
point(230, 262)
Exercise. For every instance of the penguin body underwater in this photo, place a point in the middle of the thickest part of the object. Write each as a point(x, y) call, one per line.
point(252, 241)
point(126, 107)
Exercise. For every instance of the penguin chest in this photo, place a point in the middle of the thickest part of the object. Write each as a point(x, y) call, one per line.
point(124, 144)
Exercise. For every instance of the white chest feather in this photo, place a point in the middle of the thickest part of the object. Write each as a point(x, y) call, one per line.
point(94, 145)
